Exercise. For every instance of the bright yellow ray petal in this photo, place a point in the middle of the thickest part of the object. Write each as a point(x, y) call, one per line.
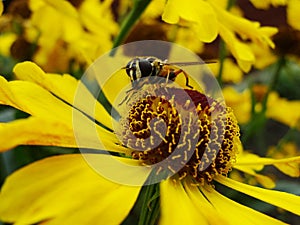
point(64, 190)
point(35, 131)
point(65, 87)
point(238, 214)
point(38, 102)
point(40, 131)
point(33, 100)
point(203, 205)
point(115, 85)
point(280, 199)
point(177, 207)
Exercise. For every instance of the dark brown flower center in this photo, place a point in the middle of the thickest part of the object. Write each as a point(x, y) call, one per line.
point(182, 133)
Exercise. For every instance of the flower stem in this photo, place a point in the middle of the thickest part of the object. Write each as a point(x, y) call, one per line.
point(280, 64)
point(137, 10)
point(222, 56)
point(150, 206)
point(222, 49)
point(258, 119)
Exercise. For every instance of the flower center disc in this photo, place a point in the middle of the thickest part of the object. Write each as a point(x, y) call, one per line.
point(193, 138)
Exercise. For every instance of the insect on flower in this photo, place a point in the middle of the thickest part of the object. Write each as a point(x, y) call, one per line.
point(150, 66)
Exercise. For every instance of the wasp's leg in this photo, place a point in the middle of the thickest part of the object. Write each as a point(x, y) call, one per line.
point(128, 94)
point(186, 77)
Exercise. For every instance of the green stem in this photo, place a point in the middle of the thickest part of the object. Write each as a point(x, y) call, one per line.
point(150, 205)
point(273, 83)
point(137, 10)
point(222, 56)
point(222, 49)
point(258, 119)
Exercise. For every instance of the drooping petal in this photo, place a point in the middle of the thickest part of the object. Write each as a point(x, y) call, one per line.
point(64, 190)
point(289, 166)
point(238, 214)
point(245, 28)
point(177, 207)
point(283, 200)
point(240, 50)
point(65, 87)
point(262, 179)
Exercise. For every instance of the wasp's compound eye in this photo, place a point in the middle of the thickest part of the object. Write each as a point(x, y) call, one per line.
point(131, 68)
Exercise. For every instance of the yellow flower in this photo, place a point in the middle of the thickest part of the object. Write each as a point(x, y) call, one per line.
point(240, 102)
point(208, 19)
point(65, 190)
point(283, 110)
point(59, 29)
point(1, 8)
point(292, 9)
point(266, 4)
point(231, 72)
point(6, 41)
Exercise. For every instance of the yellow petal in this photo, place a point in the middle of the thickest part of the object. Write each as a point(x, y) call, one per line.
point(246, 28)
point(283, 110)
point(196, 12)
point(116, 86)
point(266, 4)
point(64, 20)
point(262, 179)
point(63, 6)
point(199, 12)
point(240, 50)
point(40, 131)
point(35, 131)
point(289, 166)
point(280, 199)
point(170, 14)
point(1, 8)
point(203, 205)
point(246, 157)
point(38, 102)
point(238, 214)
point(240, 102)
point(6, 40)
point(64, 190)
point(33, 100)
point(65, 87)
point(293, 16)
point(177, 207)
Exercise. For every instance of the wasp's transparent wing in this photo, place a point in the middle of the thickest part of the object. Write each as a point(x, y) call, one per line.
point(190, 63)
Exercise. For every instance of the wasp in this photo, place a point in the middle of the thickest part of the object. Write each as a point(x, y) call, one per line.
point(142, 67)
